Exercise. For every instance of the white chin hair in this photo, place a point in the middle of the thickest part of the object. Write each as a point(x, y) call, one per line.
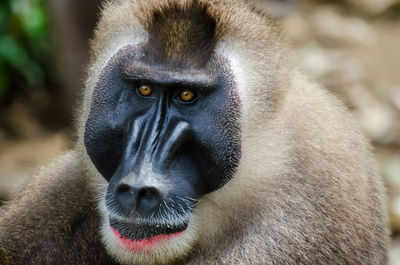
point(163, 252)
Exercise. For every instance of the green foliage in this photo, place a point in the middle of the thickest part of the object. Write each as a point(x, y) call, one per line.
point(24, 38)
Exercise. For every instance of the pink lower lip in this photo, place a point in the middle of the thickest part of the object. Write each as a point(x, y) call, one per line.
point(144, 244)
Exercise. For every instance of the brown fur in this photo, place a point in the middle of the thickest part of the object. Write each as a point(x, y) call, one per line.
point(53, 220)
point(181, 37)
point(306, 190)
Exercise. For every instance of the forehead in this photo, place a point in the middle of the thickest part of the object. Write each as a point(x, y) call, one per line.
point(180, 36)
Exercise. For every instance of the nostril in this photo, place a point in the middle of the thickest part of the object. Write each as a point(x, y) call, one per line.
point(147, 192)
point(125, 197)
point(148, 198)
point(124, 189)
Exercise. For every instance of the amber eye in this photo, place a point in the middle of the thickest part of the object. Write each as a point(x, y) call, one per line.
point(145, 90)
point(186, 95)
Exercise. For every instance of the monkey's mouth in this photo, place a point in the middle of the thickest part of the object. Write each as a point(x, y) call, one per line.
point(141, 237)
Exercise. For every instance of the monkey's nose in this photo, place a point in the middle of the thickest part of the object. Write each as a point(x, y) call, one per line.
point(143, 199)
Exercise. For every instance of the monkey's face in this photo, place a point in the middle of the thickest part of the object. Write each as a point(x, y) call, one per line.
point(162, 137)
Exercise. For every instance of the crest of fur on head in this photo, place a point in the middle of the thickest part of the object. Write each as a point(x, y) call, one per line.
point(277, 142)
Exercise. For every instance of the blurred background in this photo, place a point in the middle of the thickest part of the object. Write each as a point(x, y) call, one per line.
point(352, 47)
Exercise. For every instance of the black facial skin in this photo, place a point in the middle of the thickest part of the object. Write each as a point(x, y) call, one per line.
point(193, 146)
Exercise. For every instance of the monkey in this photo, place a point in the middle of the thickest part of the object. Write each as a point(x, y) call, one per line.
point(200, 142)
